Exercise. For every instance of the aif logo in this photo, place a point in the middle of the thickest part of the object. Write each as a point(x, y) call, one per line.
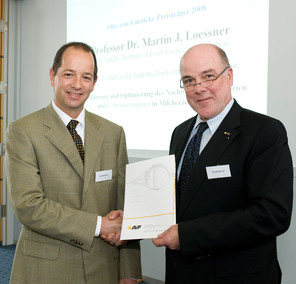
point(135, 227)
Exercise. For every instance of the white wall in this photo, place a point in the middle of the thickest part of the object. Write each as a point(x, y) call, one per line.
point(38, 29)
point(281, 70)
point(43, 31)
point(287, 248)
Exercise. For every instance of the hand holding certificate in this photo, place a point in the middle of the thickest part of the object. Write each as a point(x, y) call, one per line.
point(149, 205)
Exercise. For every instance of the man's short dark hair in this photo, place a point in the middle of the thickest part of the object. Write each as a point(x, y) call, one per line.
point(80, 45)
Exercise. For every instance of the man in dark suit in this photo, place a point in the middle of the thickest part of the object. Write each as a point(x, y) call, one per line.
point(237, 197)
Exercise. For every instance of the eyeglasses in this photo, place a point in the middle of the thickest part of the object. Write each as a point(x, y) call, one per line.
point(189, 84)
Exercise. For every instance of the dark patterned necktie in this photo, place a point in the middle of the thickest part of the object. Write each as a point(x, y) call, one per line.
point(76, 138)
point(190, 158)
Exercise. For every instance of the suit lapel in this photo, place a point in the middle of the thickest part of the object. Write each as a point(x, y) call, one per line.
point(60, 137)
point(182, 140)
point(210, 155)
point(94, 138)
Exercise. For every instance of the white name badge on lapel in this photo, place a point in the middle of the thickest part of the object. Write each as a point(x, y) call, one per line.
point(218, 171)
point(103, 175)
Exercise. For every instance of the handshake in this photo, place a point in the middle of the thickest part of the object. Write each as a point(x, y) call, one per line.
point(111, 228)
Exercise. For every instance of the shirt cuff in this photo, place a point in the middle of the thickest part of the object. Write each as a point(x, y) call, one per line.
point(98, 227)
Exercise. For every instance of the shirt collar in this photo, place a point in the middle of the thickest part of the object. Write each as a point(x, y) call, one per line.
point(214, 122)
point(66, 118)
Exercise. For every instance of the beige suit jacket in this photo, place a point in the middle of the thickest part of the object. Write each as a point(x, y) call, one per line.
point(57, 200)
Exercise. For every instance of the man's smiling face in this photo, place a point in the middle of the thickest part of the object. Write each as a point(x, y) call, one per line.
point(202, 63)
point(74, 80)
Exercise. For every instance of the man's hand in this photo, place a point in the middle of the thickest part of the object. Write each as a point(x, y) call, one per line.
point(169, 238)
point(111, 224)
point(111, 228)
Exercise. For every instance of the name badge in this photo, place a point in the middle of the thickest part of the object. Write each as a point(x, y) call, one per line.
point(218, 171)
point(103, 175)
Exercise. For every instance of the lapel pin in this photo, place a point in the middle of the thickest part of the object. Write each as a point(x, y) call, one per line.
point(227, 134)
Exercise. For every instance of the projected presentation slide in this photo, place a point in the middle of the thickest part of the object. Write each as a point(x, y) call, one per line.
point(139, 45)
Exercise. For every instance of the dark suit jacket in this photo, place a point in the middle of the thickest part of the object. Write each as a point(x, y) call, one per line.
point(228, 226)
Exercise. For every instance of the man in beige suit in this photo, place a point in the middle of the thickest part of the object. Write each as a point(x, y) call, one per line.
point(63, 199)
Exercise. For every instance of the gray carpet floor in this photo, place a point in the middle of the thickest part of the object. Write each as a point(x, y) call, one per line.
point(6, 259)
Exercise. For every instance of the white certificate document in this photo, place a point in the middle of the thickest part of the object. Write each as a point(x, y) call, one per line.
point(149, 204)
